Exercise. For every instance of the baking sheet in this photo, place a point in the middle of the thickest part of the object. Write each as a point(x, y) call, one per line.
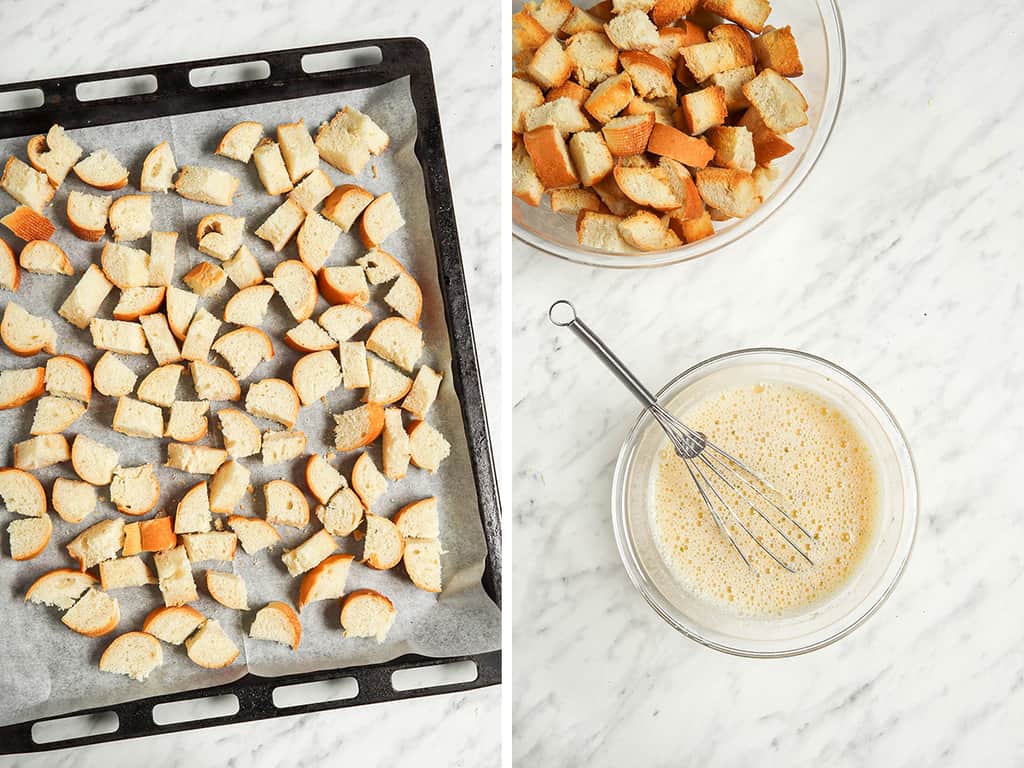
point(48, 670)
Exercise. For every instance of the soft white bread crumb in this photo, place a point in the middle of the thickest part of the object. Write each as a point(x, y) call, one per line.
point(344, 205)
point(73, 500)
point(244, 349)
point(93, 461)
point(282, 446)
point(45, 258)
point(315, 375)
point(162, 258)
point(405, 297)
point(307, 336)
point(123, 572)
point(322, 479)
point(418, 520)
point(317, 238)
point(344, 285)
point(241, 436)
point(118, 336)
point(26, 334)
point(398, 341)
point(162, 343)
point(158, 169)
point(368, 481)
point(220, 235)
point(326, 581)
point(97, 543)
point(201, 333)
point(87, 214)
point(174, 575)
point(312, 191)
point(139, 301)
point(270, 167)
point(428, 446)
point(243, 270)
point(55, 414)
point(19, 386)
point(240, 141)
point(309, 553)
point(348, 140)
point(344, 321)
point(355, 374)
point(387, 384)
point(134, 654)
point(205, 279)
point(357, 427)
point(160, 387)
point(277, 621)
point(41, 451)
point(137, 419)
point(366, 613)
point(192, 515)
point(195, 459)
point(286, 505)
point(54, 154)
point(213, 383)
point(297, 149)
point(381, 219)
point(395, 445)
point(211, 545)
point(112, 377)
point(94, 614)
point(228, 487)
point(134, 490)
point(342, 514)
point(296, 285)
point(181, 308)
point(423, 392)
point(254, 534)
point(422, 560)
point(22, 493)
point(249, 305)
point(206, 185)
point(210, 647)
point(187, 421)
point(173, 624)
point(282, 224)
point(60, 588)
point(273, 399)
point(228, 589)
point(26, 185)
point(28, 536)
point(383, 545)
point(85, 299)
point(102, 170)
point(131, 217)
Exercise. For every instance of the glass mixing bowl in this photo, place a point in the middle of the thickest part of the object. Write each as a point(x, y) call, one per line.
point(813, 626)
point(818, 30)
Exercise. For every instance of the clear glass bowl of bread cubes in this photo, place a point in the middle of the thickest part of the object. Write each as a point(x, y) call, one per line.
point(649, 132)
point(839, 515)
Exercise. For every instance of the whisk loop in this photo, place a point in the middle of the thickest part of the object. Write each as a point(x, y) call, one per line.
point(725, 484)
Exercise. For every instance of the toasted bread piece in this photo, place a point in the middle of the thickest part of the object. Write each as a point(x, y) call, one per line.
point(387, 385)
point(41, 451)
point(692, 230)
point(315, 375)
point(59, 588)
point(355, 374)
point(28, 536)
point(307, 336)
point(312, 191)
point(87, 215)
point(707, 59)
point(358, 427)
point(241, 436)
point(22, 493)
point(277, 621)
point(112, 377)
point(326, 581)
point(125, 267)
point(632, 31)
point(398, 341)
point(667, 12)
point(768, 145)
point(344, 285)
point(282, 224)
point(526, 184)
point(123, 572)
point(243, 270)
point(55, 414)
point(240, 141)
point(187, 422)
point(349, 139)
point(135, 490)
point(297, 149)
point(316, 239)
point(342, 514)
point(593, 57)
point(270, 166)
point(131, 217)
point(732, 82)
point(228, 589)
point(28, 224)
point(85, 299)
point(704, 109)
point(405, 297)
point(228, 487)
point(730, 191)
point(161, 258)
point(427, 446)
point(383, 545)
point(253, 534)
point(322, 479)
point(249, 305)
point(137, 419)
point(213, 383)
point(670, 142)
point(297, 287)
point(578, 21)
point(285, 504)
point(66, 376)
point(343, 321)
point(550, 157)
point(206, 279)
point(282, 446)
point(211, 545)
point(158, 169)
point(19, 386)
point(395, 447)
point(210, 647)
point(550, 65)
point(564, 113)
point(93, 461)
point(750, 14)
point(776, 49)
point(10, 277)
point(161, 341)
point(95, 614)
point(575, 92)
point(181, 307)
point(366, 613)
point(97, 543)
point(201, 333)
point(380, 219)
point(220, 235)
point(423, 392)
point(73, 500)
point(244, 349)
point(418, 520)
point(273, 399)
point(527, 33)
point(136, 302)
point(609, 98)
point(591, 157)
point(367, 481)
point(54, 154)
point(25, 334)
point(380, 266)
point(648, 187)
point(780, 104)
point(157, 535)
point(26, 185)
point(206, 185)
point(572, 201)
point(173, 624)
point(628, 135)
point(734, 147)
point(646, 231)
point(102, 170)
point(344, 205)
point(309, 553)
point(526, 95)
point(118, 336)
point(174, 574)
point(134, 654)
point(422, 558)
point(160, 387)
point(196, 459)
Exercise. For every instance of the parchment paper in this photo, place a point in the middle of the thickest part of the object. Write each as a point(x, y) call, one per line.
point(45, 668)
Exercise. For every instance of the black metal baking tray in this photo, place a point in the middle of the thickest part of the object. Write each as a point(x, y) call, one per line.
point(175, 94)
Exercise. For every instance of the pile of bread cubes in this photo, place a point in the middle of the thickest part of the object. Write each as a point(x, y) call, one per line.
point(649, 120)
point(154, 317)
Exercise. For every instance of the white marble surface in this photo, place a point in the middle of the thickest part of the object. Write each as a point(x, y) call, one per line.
point(899, 260)
point(48, 39)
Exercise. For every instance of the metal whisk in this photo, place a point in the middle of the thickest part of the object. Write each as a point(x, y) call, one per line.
point(706, 462)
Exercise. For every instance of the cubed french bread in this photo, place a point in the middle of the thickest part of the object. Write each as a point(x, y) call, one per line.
point(358, 427)
point(550, 157)
point(41, 451)
point(422, 558)
point(273, 399)
point(195, 459)
point(22, 493)
point(526, 95)
point(123, 572)
point(418, 520)
point(316, 239)
point(732, 82)
point(309, 553)
point(628, 135)
point(220, 235)
point(646, 231)
point(778, 102)
point(295, 283)
point(228, 589)
point(19, 386)
point(349, 139)
point(387, 384)
point(423, 392)
point(210, 545)
point(240, 141)
point(160, 268)
point(648, 187)
point(162, 343)
point(102, 170)
point(550, 65)
point(26, 334)
point(73, 500)
point(395, 446)
point(131, 217)
point(285, 504)
point(277, 621)
point(326, 581)
point(125, 267)
point(205, 279)
point(160, 386)
point(45, 258)
point(563, 113)
point(734, 147)
point(139, 301)
point(199, 338)
point(206, 185)
point(344, 285)
point(174, 576)
point(133, 654)
point(173, 624)
point(342, 514)
point(344, 205)
point(312, 190)
point(213, 383)
point(181, 308)
point(367, 613)
point(242, 269)
point(379, 220)
point(85, 299)
point(137, 419)
point(354, 372)
point(67, 376)
point(210, 647)
point(254, 534)
point(87, 214)
point(55, 414)
point(244, 349)
point(428, 447)
point(367, 481)
point(26, 185)
point(590, 156)
point(704, 109)
point(343, 321)
point(750, 14)
point(241, 436)
point(526, 184)
point(54, 154)
point(315, 376)
point(776, 49)
point(282, 446)
point(132, 544)
point(228, 487)
point(380, 266)
point(28, 225)
point(158, 169)
point(731, 191)
point(383, 545)
point(187, 421)
point(249, 305)
point(28, 536)
point(307, 336)
point(593, 57)
point(398, 341)
point(609, 98)
point(297, 149)
point(97, 543)
point(60, 588)
point(10, 277)
point(632, 30)
point(405, 297)
point(93, 461)
point(156, 534)
point(112, 377)
point(134, 490)
point(93, 615)
point(270, 167)
point(322, 479)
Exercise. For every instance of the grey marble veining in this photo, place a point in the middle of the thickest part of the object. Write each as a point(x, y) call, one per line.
point(900, 260)
point(47, 39)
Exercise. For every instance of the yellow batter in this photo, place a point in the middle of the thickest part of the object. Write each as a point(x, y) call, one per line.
point(798, 442)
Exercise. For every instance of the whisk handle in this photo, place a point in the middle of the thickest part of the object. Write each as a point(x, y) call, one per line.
point(563, 314)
